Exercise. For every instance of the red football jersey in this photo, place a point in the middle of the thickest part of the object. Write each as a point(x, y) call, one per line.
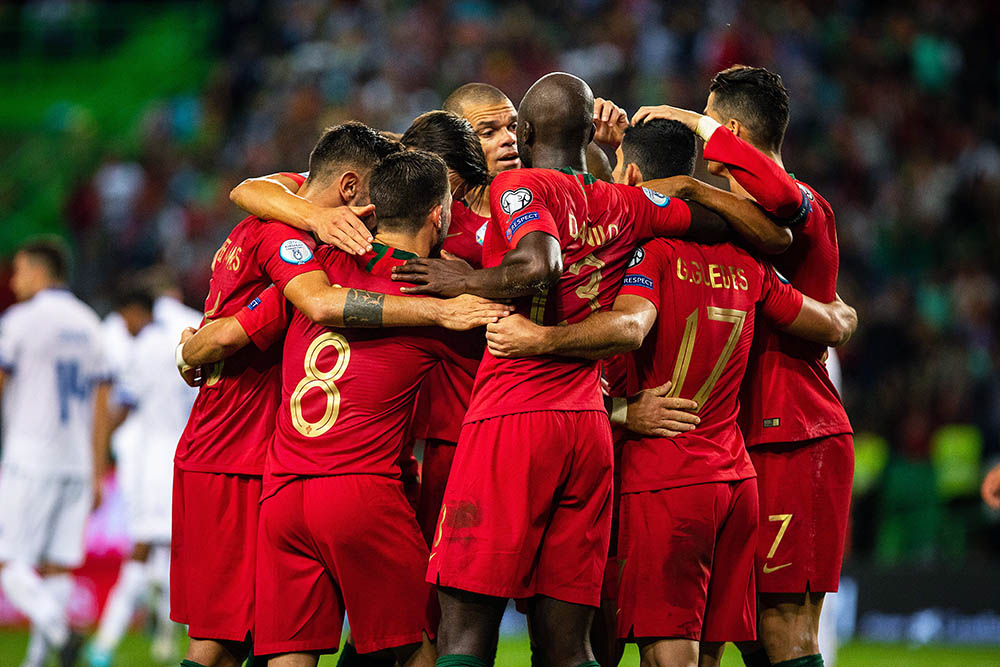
point(466, 234)
point(233, 416)
point(347, 394)
point(705, 298)
point(598, 226)
point(787, 394)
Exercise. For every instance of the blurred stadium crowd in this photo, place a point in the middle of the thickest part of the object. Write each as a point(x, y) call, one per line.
point(895, 119)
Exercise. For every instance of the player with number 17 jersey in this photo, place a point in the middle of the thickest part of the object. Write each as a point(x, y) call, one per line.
point(527, 510)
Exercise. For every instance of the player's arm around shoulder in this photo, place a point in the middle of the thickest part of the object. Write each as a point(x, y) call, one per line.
point(831, 324)
point(275, 197)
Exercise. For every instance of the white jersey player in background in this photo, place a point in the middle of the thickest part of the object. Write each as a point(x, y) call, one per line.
point(151, 396)
point(52, 376)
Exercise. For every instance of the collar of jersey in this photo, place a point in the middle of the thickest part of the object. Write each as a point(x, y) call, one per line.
point(380, 250)
point(588, 178)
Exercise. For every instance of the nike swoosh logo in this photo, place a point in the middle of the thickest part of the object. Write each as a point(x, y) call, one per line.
point(769, 570)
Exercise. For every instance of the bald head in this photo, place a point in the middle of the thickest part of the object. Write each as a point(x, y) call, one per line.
point(473, 95)
point(556, 118)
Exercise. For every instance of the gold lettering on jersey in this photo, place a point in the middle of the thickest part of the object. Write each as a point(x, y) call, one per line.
point(591, 290)
point(229, 254)
point(716, 276)
point(214, 373)
point(315, 378)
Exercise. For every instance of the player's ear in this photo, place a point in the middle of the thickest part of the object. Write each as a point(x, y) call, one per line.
point(436, 216)
point(736, 127)
point(593, 131)
point(633, 175)
point(350, 186)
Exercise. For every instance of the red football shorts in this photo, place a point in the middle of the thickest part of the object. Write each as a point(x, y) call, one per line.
point(688, 570)
point(330, 544)
point(805, 500)
point(527, 510)
point(213, 553)
point(438, 457)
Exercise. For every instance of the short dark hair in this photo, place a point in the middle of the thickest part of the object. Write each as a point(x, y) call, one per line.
point(350, 145)
point(660, 148)
point(452, 138)
point(406, 186)
point(50, 251)
point(756, 98)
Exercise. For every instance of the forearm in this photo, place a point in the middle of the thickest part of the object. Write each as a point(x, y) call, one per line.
point(600, 336)
point(271, 200)
point(103, 427)
point(214, 342)
point(506, 281)
point(743, 216)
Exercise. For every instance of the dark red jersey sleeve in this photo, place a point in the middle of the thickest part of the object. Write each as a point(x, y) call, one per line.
point(284, 253)
point(760, 176)
point(518, 206)
point(265, 319)
point(646, 273)
point(781, 302)
point(656, 215)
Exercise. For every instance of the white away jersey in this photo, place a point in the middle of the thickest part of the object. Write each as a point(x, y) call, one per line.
point(52, 351)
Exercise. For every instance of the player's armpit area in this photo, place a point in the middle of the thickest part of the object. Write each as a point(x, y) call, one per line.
point(215, 341)
point(831, 324)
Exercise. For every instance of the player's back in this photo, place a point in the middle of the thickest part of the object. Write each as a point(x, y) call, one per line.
point(597, 225)
point(348, 394)
point(788, 394)
point(706, 297)
point(233, 416)
point(53, 352)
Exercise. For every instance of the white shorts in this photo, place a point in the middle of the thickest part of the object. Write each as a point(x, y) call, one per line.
point(43, 517)
point(146, 475)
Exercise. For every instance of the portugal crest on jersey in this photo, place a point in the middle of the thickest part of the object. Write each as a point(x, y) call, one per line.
point(512, 201)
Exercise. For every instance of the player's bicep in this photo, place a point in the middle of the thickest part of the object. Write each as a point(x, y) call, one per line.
point(707, 226)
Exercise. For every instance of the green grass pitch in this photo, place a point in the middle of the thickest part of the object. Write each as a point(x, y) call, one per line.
point(514, 653)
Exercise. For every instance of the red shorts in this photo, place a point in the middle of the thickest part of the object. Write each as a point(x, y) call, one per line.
point(330, 544)
point(438, 457)
point(688, 557)
point(213, 553)
point(527, 510)
point(805, 499)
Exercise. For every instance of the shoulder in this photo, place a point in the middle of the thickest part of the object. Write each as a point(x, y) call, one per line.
point(518, 188)
point(814, 200)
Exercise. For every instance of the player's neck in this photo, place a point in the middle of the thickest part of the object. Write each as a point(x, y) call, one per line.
point(419, 245)
point(479, 201)
point(551, 157)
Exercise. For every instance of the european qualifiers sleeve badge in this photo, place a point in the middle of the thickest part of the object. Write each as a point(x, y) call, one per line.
point(512, 201)
point(294, 251)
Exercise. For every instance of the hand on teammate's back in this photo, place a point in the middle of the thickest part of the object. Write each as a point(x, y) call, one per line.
point(467, 311)
point(515, 336)
point(610, 121)
point(653, 412)
point(443, 277)
point(343, 227)
point(991, 488)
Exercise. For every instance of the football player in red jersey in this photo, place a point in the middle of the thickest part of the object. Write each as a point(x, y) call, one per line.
point(377, 571)
point(527, 512)
point(794, 422)
point(689, 503)
point(219, 459)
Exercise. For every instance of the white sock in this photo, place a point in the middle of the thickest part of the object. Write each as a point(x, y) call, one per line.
point(38, 649)
point(28, 592)
point(121, 605)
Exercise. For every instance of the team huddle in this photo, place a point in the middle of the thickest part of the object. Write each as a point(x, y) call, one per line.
point(626, 419)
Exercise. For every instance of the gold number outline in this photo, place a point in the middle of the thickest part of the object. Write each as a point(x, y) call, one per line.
point(322, 380)
point(731, 315)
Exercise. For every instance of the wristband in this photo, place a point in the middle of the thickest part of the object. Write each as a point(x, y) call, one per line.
point(182, 365)
point(707, 127)
point(619, 411)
